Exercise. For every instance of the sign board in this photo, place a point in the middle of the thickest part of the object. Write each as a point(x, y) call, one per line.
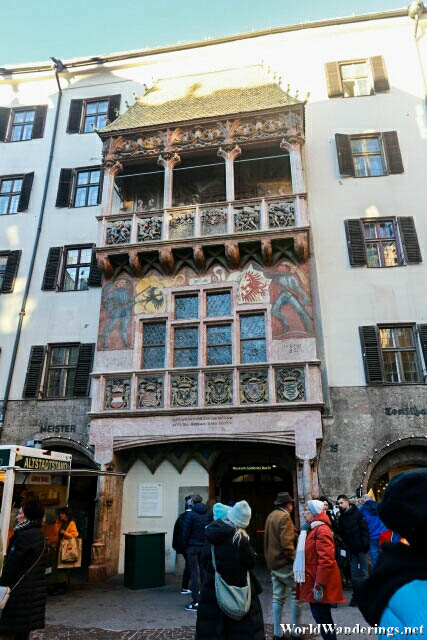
point(39, 478)
point(253, 467)
point(4, 457)
point(41, 464)
point(150, 500)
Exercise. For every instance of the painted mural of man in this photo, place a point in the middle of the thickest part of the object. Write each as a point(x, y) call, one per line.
point(117, 302)
point(292, 294)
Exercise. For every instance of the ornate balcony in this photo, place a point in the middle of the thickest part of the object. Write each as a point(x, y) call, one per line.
point(289, 385)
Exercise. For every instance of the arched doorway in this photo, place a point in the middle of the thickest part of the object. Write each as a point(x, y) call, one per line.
point(409, 453)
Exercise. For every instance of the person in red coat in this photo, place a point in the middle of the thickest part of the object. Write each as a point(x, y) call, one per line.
point(316, 572)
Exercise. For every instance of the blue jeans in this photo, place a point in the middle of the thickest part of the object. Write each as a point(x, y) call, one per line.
point(358, 567)
point(374, 550)
point(322, 615)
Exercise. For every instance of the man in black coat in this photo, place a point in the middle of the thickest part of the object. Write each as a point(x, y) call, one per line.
point(178, 544)
point(26, 558)
point(193, 535)
point(354, 531)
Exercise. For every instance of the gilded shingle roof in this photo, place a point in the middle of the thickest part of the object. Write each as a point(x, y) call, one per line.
point(203, 96)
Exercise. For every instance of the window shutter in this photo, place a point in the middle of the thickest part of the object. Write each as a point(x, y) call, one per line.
point(379, 74)
point(355, 242)
point(34, 372)
point(392, 151)
point(24, 198)
point(39, 121)
point(333, 79)
point(113, 104)
point(50, 277)
point(11, 271)
point(4, 121)
point(84, 367)
point(95, 273)
point(64, 188)
point(408, 234)
point(422, 330)
point(371, 354)
point(75, 116)
point(101, 184)
point(345, 156)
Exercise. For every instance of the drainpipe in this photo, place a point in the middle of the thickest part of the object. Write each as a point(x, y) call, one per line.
point(59, 67)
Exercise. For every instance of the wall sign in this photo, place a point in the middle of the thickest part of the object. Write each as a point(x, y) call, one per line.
point(57, 428)
point(253, 467)
point(406, 411)
point(42, 464)
point(150, 500)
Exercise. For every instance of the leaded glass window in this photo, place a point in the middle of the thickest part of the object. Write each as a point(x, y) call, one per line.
point(186, 346)
point(252, 338)
point(218, 304)
point(219, 344)
point(381, 246)
point(186, 307)
point(154, 341)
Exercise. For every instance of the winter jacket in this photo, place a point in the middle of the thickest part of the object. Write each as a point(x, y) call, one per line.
point(279, 539)
point(400, 569)
point(195, 522)
point(233, 561)
point(375, 526)
point(320, 564)
point(407, 608)
point(25, 609)
point(70, 530)
point(177, 539)
point(354, 530)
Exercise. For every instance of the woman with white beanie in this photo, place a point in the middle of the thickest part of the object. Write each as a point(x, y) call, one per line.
point(234, 557)
point(315, 569)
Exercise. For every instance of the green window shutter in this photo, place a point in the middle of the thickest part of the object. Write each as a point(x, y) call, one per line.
point(355, 242)
point(84, 367)
point(34, 372)
point(11, 271)
point(371, 353)
point(408, 234)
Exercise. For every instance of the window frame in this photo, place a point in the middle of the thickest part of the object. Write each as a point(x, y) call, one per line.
point(77, 266)
point(86, 186)
point(158, 320)
point(379, 241)
point(368, 154)
point(414, 349)
point(369, 76)
point(12, 123)
point(3, 254)
point(85, 115)
point(12, 194)
point(48, 367)
point(218, 323)
point(246, 314)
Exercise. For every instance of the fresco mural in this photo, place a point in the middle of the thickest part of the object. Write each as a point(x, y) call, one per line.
point(284, 288)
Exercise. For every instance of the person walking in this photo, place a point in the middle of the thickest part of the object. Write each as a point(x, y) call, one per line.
point(279, 554)
point(193, 534)
point(395, 594)
point(178, 544)
point(355, 534)
point(65, 530)
point(315, 569)
point(24, 566)
point(234, 557)
point(370, 513)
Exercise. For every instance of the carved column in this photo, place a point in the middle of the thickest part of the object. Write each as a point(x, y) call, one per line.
point(168, 161)
point(293, 144)
point(229, 154)
point(111, 169)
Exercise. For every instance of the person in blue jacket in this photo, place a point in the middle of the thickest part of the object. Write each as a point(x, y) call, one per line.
point(375, 526)
point(395, 595)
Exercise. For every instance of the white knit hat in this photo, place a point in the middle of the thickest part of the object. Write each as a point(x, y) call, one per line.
point(315, 506)
point(240, 514)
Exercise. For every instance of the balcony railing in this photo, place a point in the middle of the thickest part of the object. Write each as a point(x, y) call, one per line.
point(204, 221)
point(287, 384)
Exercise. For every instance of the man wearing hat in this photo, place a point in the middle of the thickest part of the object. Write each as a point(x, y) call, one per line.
point(279, 552)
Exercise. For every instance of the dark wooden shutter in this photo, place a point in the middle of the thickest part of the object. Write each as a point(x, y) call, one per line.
point(345, 156)
point(4, 121)
point(408, 235)
point(75, 116)
point(50, 277)
point(101, 184)
point(95, 273)
point(11, 271)
point(24, 198)
point(379, 74)
point(84, 367)
point(113, 104)
point(34, 372)
point(422, 330)
point(392, 151)
point(371, 354)
point(333, 79)
point(64, 188)
point(39, 121)
point(355, 242)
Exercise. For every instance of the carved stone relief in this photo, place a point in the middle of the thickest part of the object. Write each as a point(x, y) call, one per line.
point(150, 392)
point(254, 386)
point(184, 390)
point(214, 220)
point(281, 214)
point(218, 388)
point(150, 229)
point(247, 218)
point(117, 393)
point(118, 232)
point(181, 224)
point(290, 385)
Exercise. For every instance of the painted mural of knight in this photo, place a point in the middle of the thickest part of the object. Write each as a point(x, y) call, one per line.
point(115, 327)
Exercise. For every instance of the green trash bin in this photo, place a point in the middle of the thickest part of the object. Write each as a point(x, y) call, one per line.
point(144, 559)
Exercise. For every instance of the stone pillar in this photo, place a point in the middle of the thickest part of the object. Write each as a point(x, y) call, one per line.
point(293, 144)
point(111, 169)
point(168, 161)
point(229, 154)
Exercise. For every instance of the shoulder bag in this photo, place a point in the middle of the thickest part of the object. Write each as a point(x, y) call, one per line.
point(6, 591)
point(234, 602)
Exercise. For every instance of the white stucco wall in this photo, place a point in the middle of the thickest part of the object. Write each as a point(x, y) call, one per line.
point(166, 474)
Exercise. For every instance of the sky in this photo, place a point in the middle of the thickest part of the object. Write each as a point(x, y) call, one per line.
point(34, 30)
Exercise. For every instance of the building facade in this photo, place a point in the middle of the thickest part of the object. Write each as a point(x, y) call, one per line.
point(261, 323)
